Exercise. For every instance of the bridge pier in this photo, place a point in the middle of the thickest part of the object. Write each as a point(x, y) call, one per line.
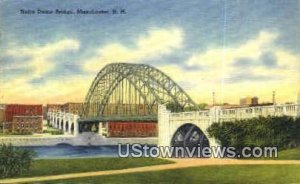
point(54, 121)
point(169, 123)
point(100, 128)
point(76, 125)
point(64, 122)
point(59, 120)
point(69, 125)
point(50, 119)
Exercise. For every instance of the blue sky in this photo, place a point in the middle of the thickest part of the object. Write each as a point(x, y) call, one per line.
point(43, 52)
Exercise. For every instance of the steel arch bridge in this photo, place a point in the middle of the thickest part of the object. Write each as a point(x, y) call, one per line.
point(123, 91)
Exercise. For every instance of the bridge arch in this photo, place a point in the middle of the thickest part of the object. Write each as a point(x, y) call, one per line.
point(72, 128)
point(189, 135)
point(57, 122)
point(66, 126)
point(125, 89)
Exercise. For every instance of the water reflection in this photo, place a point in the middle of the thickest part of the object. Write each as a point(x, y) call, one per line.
point(69, 151)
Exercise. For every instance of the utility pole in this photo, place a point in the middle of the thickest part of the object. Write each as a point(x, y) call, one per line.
point(213, 98)
point(273, 99)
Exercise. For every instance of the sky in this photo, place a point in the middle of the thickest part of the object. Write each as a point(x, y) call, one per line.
point(234, 48)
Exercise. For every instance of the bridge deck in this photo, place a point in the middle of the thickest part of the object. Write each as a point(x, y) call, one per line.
point(119, 118)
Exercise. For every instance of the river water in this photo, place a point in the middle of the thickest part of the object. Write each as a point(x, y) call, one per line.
point(69, 151)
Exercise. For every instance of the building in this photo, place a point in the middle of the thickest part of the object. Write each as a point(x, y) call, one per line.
point(249, 101)
point(223, 106)
point(53, 107)
point(2, 115)
point(127, 109)
point(21, 118)
point(45, 112)
point(129, 129)
point(72, 107)
point(27, 124)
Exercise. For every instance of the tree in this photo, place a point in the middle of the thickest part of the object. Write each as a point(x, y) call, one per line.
point(282, 132)
point(174, 107)
point(14, 161)
point(202, 106)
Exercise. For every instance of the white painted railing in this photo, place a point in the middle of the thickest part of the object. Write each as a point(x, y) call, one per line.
point(221, 114)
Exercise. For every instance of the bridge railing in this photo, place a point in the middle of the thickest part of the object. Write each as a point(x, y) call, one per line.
point(251, 112)
point(203, 116)
point(67, 122)
point(220, 114)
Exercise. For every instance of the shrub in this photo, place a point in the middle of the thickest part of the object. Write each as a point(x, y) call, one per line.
point(282, 132)
point(54, 132)
point(14, 161)
point(20, 133)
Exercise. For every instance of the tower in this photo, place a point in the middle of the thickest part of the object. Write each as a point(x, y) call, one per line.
point(213, 98)
point(273, 98)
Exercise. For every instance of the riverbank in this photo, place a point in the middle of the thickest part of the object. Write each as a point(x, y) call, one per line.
point(84, 139)
point(91, 170)
point(193, 170)
point(220, 174)
point(64, 166)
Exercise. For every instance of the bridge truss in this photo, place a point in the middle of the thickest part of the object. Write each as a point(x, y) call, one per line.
point(123, 90)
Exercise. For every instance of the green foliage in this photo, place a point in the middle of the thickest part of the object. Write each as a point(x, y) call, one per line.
point(282, 132)
point(221, 174)
point(49, 125)
point(174, 107)
point(53, 132)
point(202, 106)
point(15, 133)
point(14, 161)
point(23, 132)
point(46, 167)
point(190, 108)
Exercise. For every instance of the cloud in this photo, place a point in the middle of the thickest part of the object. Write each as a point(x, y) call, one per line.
point(26, 87)
point(243, 62)
point(266, 59)
point(60, 90)
point(215, 57)
point(269, 59)
point(39, 57)
point(255, 67)
point(249, 76)
point(155, 43)
point(258, 57)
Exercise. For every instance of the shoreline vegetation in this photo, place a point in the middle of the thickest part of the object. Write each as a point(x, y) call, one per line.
point(44, 167)
point(221, 174)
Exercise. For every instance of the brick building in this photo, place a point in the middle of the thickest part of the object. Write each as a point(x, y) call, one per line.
point(72, 107)
point(249, 101)
point(27, 124)
point(20, 118)
point(2, 115)
point(53, 107)
point(130, 129)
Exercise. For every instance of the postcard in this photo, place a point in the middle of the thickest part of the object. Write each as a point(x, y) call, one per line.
point(124, 91)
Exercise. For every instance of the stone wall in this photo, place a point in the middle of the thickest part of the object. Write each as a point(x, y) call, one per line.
point(82, 139)
point(168, 122)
